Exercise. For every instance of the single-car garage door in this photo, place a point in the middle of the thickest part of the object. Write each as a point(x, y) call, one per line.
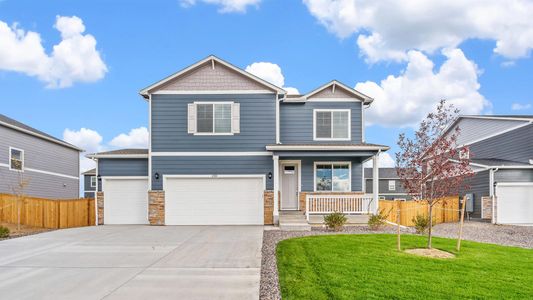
point(514, 203)
point(125, 200)
point(224, 200)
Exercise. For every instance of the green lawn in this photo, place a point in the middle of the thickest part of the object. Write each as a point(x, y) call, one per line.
point(369, 266)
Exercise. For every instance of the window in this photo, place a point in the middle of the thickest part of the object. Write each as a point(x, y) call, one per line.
point(392, 185)
point(93, 181)
point(333, 177)
point(16, 159)
point(464, 153)
point(214, 118)
point(289, 170)
point(332, 124)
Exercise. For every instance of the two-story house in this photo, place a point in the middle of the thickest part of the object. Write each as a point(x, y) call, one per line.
point(89, 183)
point(390, 185)
point(37, 164)
point(501, 153)
point(227, 147)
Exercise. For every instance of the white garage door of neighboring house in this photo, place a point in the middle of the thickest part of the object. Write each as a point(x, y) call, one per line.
point(224, 200)
point(125, 200)
point(514, 203)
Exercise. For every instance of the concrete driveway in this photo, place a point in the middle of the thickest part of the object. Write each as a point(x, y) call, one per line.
point(134, 262)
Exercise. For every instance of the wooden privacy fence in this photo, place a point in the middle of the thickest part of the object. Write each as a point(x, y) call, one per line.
point(47, 213)
point(446, 210)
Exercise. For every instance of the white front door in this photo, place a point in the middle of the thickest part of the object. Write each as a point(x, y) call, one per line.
point(125, 200)
point(222, 200)
point(514, 203)
point(289, 186)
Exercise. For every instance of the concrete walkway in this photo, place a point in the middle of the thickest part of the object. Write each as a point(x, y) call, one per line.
point(134, 262)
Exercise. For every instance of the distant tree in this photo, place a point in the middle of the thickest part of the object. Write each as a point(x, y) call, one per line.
point(430, 164)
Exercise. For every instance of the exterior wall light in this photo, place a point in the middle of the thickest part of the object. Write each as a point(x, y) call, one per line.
point(156, 176)
point(269, 175)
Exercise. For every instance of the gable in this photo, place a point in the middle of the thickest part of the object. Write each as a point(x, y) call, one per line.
point(474, 129)
point(334, 91)
point(209, 78)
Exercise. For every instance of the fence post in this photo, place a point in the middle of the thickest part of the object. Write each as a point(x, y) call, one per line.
point(461, 225)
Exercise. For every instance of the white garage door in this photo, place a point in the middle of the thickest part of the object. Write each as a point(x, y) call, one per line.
point(214, 201)
point(514, 203)
point(125, 200)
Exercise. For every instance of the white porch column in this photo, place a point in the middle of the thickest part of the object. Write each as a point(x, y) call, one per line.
point(275, 174)
point(375, 181)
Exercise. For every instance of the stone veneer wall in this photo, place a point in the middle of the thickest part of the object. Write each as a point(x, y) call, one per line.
point(100, 206)
point(156, 207)
point(302, 196)
point(486, 207)
point(268, 197)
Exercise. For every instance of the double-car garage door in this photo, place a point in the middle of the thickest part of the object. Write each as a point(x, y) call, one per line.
point(189, 200)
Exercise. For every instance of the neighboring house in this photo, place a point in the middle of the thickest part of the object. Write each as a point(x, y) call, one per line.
point(89, 183)
point(48, 166)
point(501, 153)
point(390, 187)
point(227, 147)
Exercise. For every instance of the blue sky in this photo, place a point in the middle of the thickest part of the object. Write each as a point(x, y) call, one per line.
point(312, 42)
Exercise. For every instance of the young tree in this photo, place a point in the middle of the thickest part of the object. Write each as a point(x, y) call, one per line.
point(430, 164)
point(19, 189)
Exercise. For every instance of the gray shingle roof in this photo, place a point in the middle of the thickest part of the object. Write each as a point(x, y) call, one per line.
point(89, 172)
point(16, 125)
point(123, 152)
point(383, 173)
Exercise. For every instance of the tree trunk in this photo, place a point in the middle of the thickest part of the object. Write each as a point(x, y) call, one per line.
point(430, 224)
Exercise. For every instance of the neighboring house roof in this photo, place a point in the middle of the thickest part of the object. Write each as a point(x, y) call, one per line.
point(383, 173)
point(121, 153)
point(16, 125)
point(334, 84)
point(213, 59)
point(89, 172)
point(332, 147)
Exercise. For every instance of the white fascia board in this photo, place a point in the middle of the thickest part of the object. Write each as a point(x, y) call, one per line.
point(322, 147)
point(41, 136)
point(498, 118)
point(213, 59)
point(334, 100)
point(365, 98)
point(257, 153)
point(117, 156)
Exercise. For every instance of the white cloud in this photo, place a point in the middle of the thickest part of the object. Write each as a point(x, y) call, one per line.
point(272, 73)
point(388, 29)
point(87, 139)
point(226, 6)
point(519, 106)
point(136, 138)
point(405, 99)
point(74, 59)
point(385, 161)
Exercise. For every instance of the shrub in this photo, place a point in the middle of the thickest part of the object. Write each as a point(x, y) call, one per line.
point(335, 221)
point(421, 223)
point(376, 221)
point(4, 232)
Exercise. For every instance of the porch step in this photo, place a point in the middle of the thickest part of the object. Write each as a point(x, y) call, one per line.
point(293, 221)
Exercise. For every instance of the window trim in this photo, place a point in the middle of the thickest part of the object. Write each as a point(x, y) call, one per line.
point(22, 159)
point(464, 153)
point(332, 163)
point(91, 180)
point(213, 103)
point(349, 138)
point(393, 185)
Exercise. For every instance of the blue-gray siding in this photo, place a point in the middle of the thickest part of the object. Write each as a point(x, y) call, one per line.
point(169, 124)
point(516, 145)
point(43, 155)
point(399, 192)
point(296, 121)
point(121, 167)
point(87, 183)
point(212, 165)
point(307, 176)
point(513, 175)
point(479, 186)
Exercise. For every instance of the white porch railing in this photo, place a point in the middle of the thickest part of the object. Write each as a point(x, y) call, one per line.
point(346, 204)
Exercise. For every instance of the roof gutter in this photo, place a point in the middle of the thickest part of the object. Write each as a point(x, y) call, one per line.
point(96, 156)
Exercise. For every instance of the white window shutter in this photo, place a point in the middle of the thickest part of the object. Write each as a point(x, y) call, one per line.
point(236, 118)
point(191, 117)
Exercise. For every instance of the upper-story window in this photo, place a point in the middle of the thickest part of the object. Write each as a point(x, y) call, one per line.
point(464, 153)
point(93, 181)
point(331, 124)
point(392, 185)
point(16, 159)
point(214, 118)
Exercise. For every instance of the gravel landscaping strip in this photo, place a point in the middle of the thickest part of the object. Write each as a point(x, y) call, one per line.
point(474, 231)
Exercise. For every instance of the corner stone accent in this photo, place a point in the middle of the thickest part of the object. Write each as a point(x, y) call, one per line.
point(268, 197)
point(302, 196)
point(100, 206)
point(486, 207)
point(156, 207)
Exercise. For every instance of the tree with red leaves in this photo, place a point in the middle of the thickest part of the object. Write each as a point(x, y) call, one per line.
point(430, 165)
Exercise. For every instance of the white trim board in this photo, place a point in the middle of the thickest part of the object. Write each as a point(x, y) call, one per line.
point(215, 176)
point(22, 158)
point(117, 156)
point(325, 147)
point(212, 92)
point(43, 172)
point(257, 153)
